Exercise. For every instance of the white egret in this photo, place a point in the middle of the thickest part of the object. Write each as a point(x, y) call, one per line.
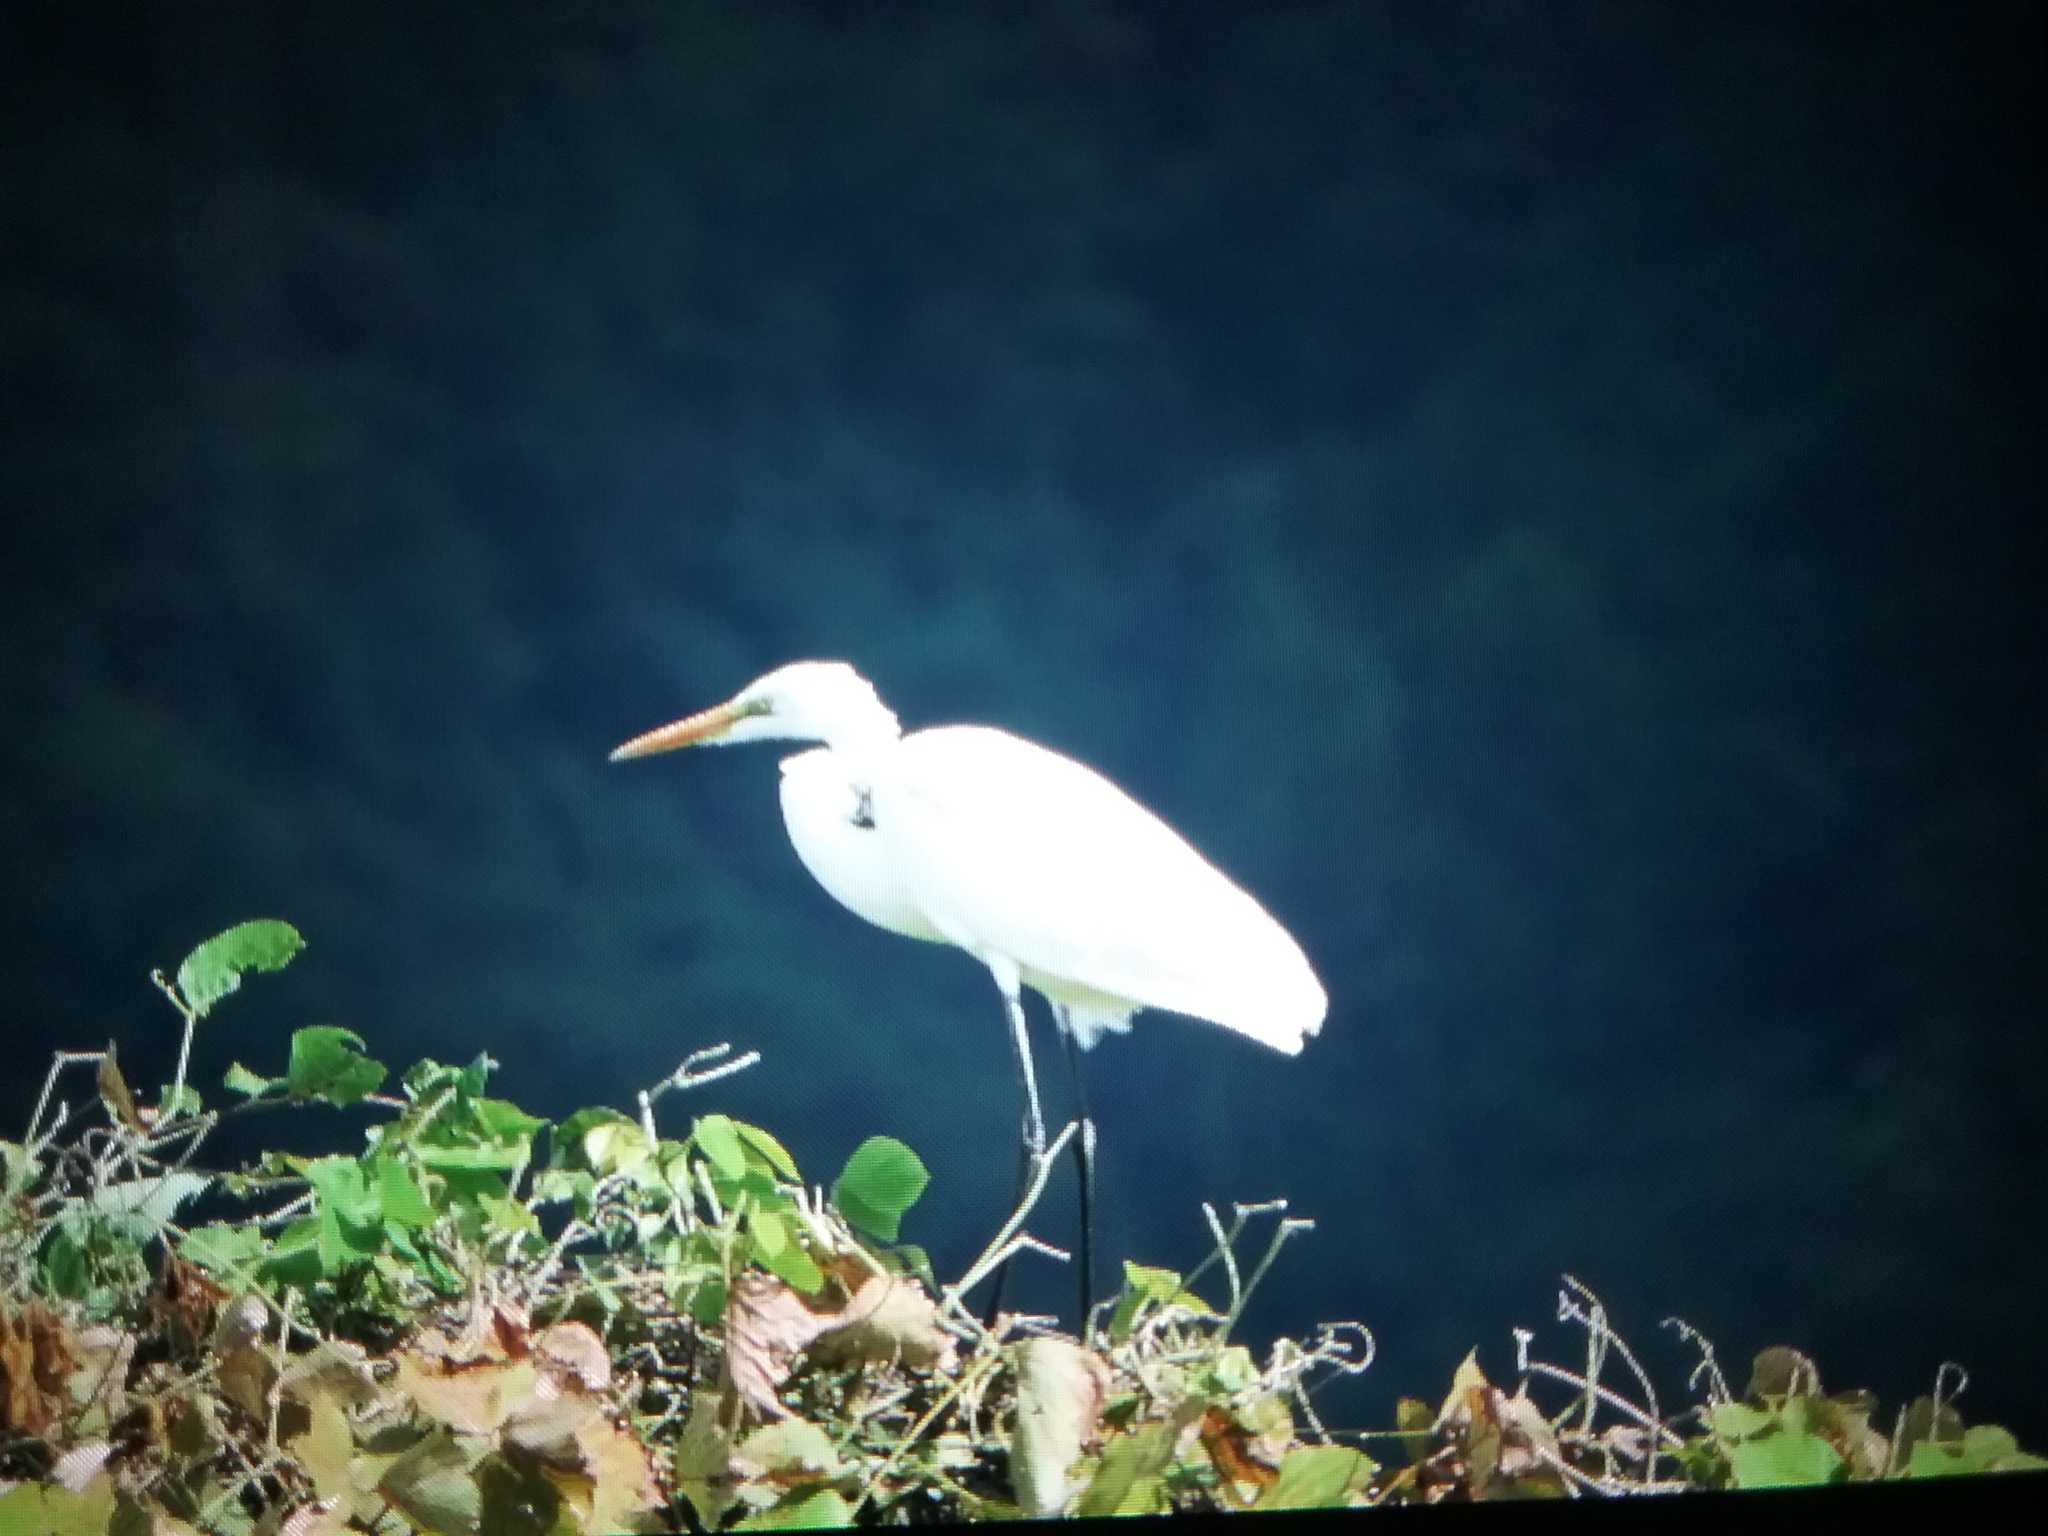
point(1039, 867)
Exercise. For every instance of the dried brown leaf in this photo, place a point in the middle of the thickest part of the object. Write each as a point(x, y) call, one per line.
point(888, 1320)
point(241, 1322)
point(1234, 1451)
point(1529, 1454)
point(546, 1419)
point(37, 1356)
point(97, 1383)
point(767, 1325)
point(1496, 1445)
point(336, 1368)
point(1060, 1391)
point(624, 1489)
point(509, 1330)
point(1781, 1371)
point(115, 1095)
point(471, 1398)
point(185, 1299)
point(786, 1453)
point(574, 1355)
point(246, 1376)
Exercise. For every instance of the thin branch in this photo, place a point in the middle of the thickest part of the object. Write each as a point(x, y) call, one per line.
point(191, 1017)
point(999, 1246)
point(59, 1060)
point(695, 1072)
point(1289, 1227)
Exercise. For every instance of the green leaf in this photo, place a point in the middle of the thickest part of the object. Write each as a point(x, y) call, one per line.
point(1785, 1458)
point(348, 1213)
point(215, 968)
point(1143, 1283)
point(1156, 1284)
point(1988, 1443)
point(330, 1242)
point(327, 1062)
point(707, 1303)
point(433, 1486)
point(719, 1140)
point(881, 1181)
point(341, 1183)
point(486, 1157)
point(602, 1140)
point(780, 1254)
point(507, 1217)
point(1930, 1459)
point(502, 1120)
point(428, 1079)
point(246, 1083)
point(1983, 1448)
point(801, 1512)
point(184, 1101)
point(553, 1185)
point(295, 1257)
point(1739, 1421)
point(1318, 1477)
point(64, 1270)
point(222, 1248)
point(55, 1511)
point(400, 1193)
point(773, 1152)
point(1227, 1373)
point(155, 1200)
point(1129, 1480)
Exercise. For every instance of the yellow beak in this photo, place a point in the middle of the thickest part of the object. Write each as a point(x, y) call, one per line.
point(690, 731)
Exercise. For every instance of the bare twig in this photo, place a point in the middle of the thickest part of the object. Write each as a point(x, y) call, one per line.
point(695, 1072)
point(58, 1062)
point(1288, 1227)
point(1717, 1384)
point(191, 1018)
point(1000, 1246)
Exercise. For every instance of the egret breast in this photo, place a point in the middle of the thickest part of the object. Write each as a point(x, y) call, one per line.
point(832, 826)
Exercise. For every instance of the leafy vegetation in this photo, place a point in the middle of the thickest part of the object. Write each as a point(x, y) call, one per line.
point(487, 1323)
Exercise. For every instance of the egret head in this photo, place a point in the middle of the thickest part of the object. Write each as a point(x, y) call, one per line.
point(804, 701)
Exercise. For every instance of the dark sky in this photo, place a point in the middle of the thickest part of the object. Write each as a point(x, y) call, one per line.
point(1539, 493)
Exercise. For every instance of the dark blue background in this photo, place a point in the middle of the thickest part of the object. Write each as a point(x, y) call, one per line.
point(1545, 495)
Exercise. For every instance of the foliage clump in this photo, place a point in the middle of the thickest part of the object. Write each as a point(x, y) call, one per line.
point(485, 1323)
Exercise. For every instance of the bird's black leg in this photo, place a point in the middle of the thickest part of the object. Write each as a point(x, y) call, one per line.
point(1084, 1163)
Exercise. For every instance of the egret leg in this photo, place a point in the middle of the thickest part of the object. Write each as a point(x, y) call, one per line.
point(1020, 1037)
point(1084, 1164)
point(1011, 986)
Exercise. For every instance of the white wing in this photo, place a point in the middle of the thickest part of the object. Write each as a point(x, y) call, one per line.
point(1011, 849)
